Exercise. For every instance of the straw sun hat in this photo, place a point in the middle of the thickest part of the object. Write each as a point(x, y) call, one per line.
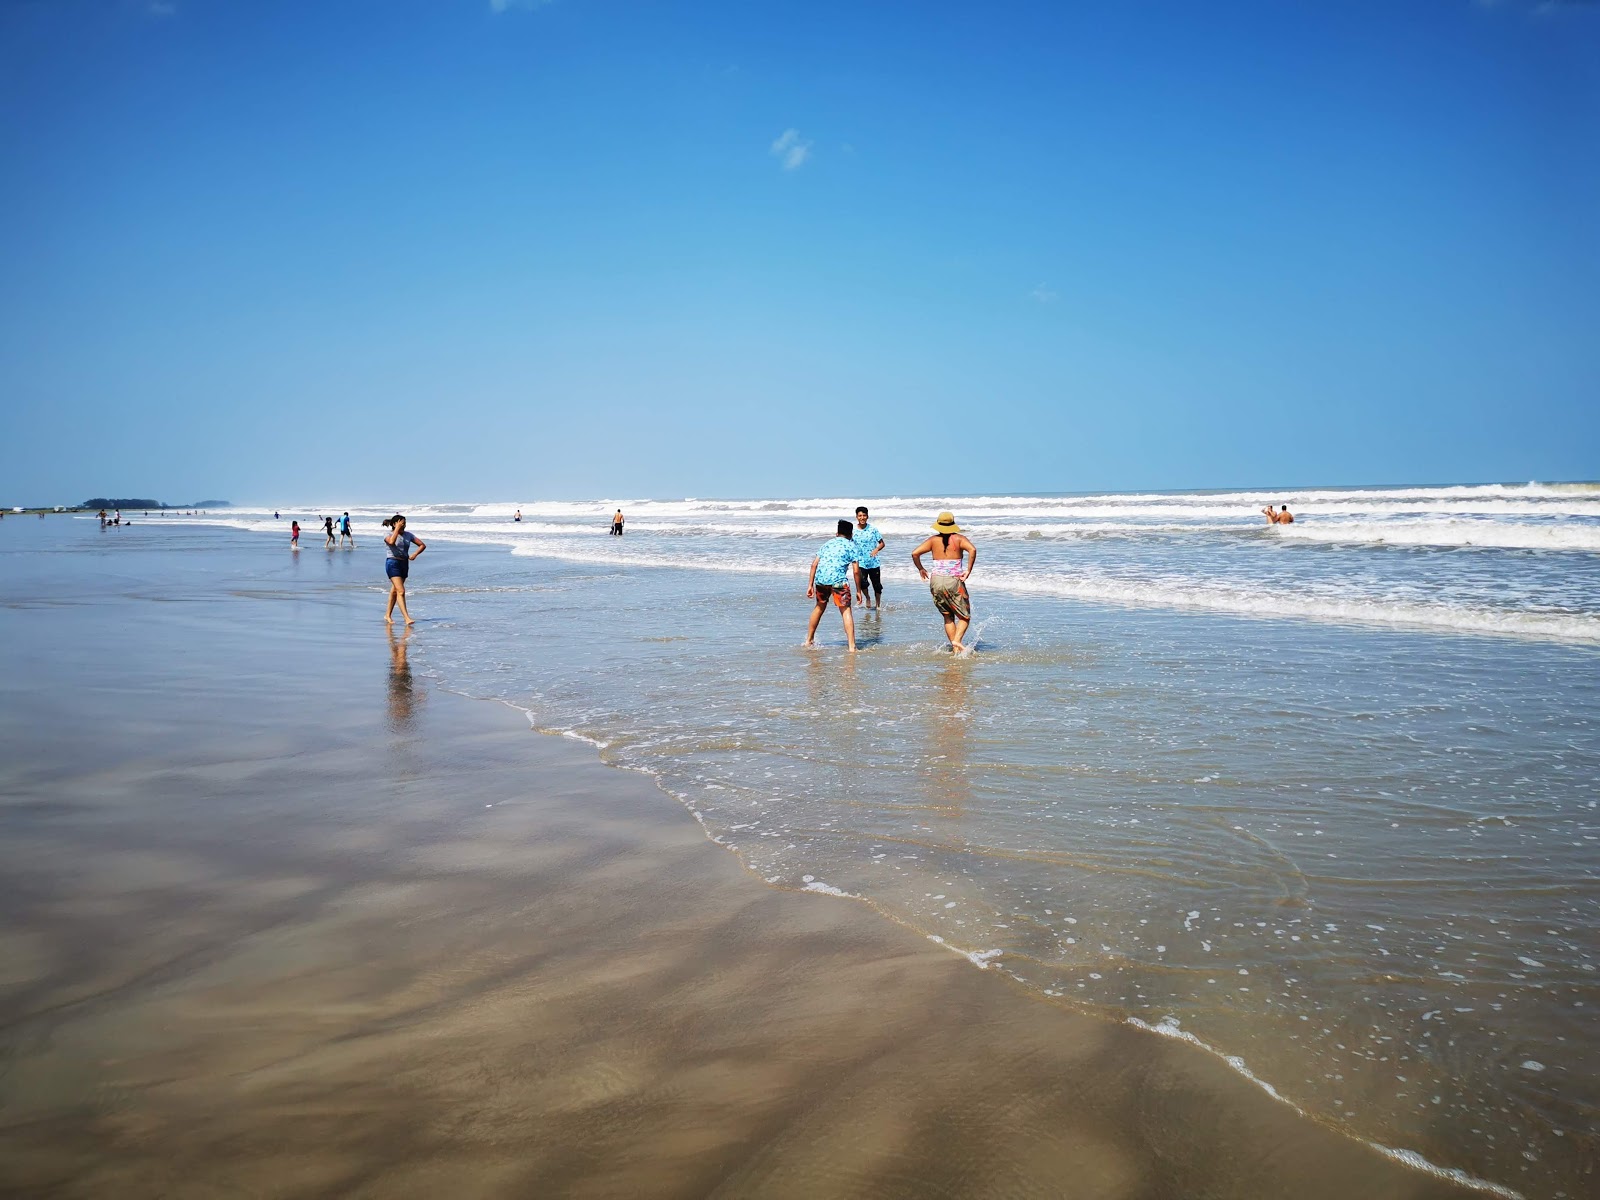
point(946, 524)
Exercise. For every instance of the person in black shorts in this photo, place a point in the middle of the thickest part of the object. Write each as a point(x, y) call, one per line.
point(869, 542)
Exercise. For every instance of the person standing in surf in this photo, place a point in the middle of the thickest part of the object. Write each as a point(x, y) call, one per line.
point(947, 575)
point(294, 535)
point(398, 565)
point(327, 528)
point(830, 579)
point(869, 544)
point(345, 534)
point(616, 524)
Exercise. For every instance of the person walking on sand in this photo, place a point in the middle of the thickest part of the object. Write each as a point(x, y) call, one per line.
point(616, 524)
point(294, 535)
point(345, 533)
point(398, 565)
point(869, 542)
point(830, 579)
point(947, 576)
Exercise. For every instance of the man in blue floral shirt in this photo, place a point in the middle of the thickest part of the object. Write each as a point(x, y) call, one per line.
point(830, 579)
point(869, 544)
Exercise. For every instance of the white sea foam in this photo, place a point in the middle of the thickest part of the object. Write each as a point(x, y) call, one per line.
point(1195, 551)
point(1515, 535)
point(1169, 1027)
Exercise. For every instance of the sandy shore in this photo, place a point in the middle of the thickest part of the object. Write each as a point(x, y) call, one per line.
point(284, 919)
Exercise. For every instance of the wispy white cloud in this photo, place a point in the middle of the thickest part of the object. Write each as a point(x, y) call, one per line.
point(791, 149)
point(1044, 294)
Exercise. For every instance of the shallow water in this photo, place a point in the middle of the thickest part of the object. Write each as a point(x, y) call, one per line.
point(1322, 803)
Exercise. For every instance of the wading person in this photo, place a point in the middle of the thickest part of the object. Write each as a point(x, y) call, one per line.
point(327, 527)
point(616, 524)
point(398, 566)
point(947, 575)
point(869, 544)
point(830, 580)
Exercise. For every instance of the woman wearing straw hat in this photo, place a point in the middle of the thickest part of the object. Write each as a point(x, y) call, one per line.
point(947, 575)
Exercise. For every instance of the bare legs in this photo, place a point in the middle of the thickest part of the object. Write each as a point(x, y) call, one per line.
point(955, 629)
point(816, 619)
point(397, 594)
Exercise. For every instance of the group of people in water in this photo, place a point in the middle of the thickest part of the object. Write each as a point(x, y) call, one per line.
point(852, 555)
point(845, 571)
point(336, 532)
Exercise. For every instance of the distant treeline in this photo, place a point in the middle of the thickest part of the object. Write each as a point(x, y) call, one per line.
point(102, 502)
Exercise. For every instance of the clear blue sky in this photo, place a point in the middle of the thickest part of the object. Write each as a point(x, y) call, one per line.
point(430, 249)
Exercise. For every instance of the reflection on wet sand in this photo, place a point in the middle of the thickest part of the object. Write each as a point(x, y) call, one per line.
point(481, 987)
point(403, 693)
point(948, 773)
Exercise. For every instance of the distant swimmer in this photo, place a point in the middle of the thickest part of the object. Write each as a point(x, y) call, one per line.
point(518, 517)
point(294, 535)
point(275, 514)
point(1285, 517)
point(1271, 514)
point(1278, 518)
point(398, 565)
point(830, 579)
point(947, 576)
point(869, 542)
point(327, 527)
point(616, 524)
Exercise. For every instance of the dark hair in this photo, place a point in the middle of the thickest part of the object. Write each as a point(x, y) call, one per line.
point(862, 508)
point(390, 522)
point(1285, 506)
point(844, 529)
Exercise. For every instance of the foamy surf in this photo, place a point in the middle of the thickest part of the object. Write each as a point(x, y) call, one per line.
point(1170, 1028)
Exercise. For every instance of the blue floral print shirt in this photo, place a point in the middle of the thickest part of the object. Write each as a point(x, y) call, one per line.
point(866, 542)
point(834, 559)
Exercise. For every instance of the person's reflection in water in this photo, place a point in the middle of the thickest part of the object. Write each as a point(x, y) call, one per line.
point(403, 696)
point(949, 775)
point(833, 737)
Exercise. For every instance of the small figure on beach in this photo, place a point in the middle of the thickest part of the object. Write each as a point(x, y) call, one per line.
point(275, 514)
point(518, 517)
point(327, 528)
point(830, 579)
point(398, 565)
point(294, 535)
point(869, 544)
point(345, 534)
point(102, 518)
point(616, 524)
point(947, 576)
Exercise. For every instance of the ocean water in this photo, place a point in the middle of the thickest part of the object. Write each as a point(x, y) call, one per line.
point(1322, 799)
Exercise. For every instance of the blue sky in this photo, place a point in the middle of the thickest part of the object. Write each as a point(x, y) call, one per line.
point(429, 249)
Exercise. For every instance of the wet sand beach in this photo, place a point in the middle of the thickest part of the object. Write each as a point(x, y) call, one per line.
point(285, 918)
